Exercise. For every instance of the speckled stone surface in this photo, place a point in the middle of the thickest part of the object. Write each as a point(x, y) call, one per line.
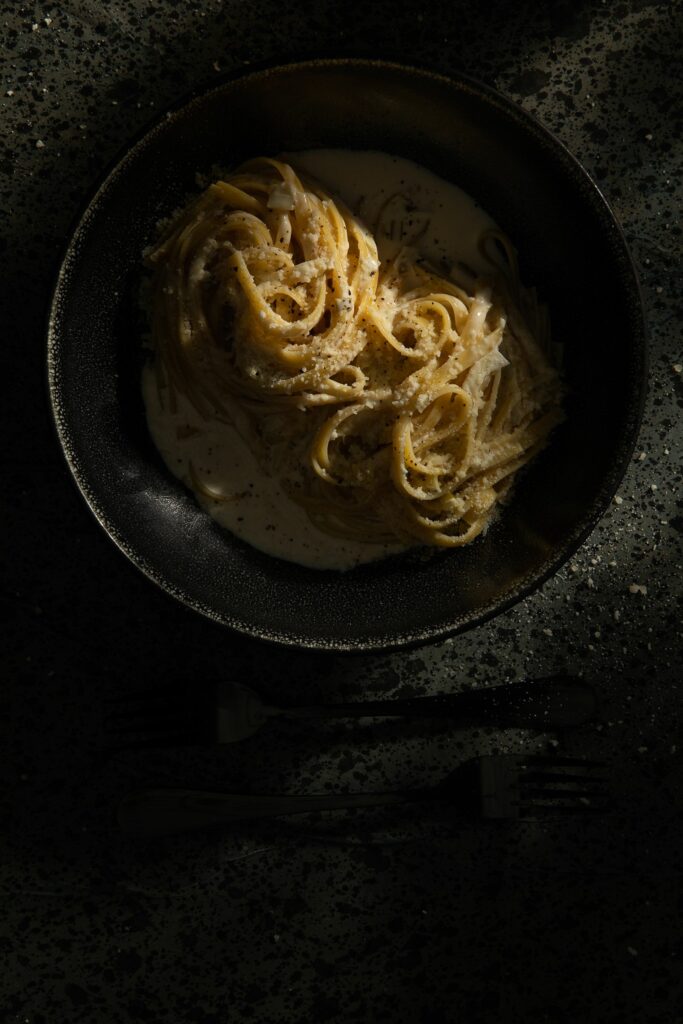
point(366, 919)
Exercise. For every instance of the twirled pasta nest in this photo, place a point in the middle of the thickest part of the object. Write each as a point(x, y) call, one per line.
point(395, 404)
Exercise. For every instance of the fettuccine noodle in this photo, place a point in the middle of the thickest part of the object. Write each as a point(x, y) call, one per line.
point(396, 403)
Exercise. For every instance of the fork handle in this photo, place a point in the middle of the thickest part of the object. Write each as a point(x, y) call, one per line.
point(159, 812)
point(552, 703)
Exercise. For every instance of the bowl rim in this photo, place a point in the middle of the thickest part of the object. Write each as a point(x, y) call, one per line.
point(380, 642)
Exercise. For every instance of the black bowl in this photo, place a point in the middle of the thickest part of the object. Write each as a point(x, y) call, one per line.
point(570, 247)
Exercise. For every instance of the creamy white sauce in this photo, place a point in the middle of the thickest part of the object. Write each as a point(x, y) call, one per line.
point(448, 221)
point(253, 504)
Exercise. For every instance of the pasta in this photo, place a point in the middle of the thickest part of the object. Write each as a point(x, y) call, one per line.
point(395, 402)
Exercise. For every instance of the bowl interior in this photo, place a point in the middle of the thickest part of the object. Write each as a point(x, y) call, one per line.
point(570, 248)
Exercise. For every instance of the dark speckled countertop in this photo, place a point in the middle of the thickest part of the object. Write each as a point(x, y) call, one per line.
point(388, 919)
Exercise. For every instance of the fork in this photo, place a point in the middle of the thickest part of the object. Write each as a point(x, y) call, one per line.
point(235, 712)
point(506, 787)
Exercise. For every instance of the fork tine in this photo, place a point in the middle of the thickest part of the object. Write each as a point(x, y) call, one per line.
point(559, 761)
point(153, 714)
point(533, 794)
point(136, 722)
point(149, 728)
point(134, 703)
point(155, 717)
point(544, 786)
point(529, 777)
point(562, 810)
point(135, 696)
